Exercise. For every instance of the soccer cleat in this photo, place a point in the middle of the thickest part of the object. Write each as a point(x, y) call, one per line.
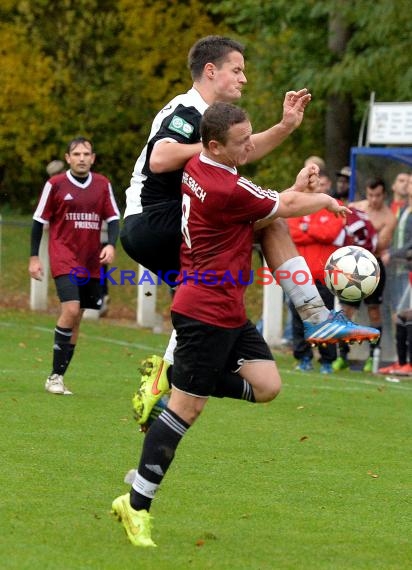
point(326, 368)
point(137, 524)
point(155, 413)
point(340, 363)
point(397, 369)
point(391, 369)
point(304, 364)
point(368, 364)
point(406, 370)
point(338, 328)
point(153, 385)
point(55, 385)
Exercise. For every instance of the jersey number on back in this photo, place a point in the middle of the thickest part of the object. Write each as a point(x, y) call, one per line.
point(185, 220)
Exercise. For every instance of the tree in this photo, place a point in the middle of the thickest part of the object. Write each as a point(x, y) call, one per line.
point(90, 67)
point(102, 69)
point(341, 51)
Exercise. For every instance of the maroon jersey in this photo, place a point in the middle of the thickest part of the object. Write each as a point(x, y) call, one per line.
point(219, 208)
point(75, 211)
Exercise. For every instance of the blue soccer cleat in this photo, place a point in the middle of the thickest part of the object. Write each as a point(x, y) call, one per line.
point(338, 328)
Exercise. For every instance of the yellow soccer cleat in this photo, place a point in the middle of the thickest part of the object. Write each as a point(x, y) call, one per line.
point(153, 385)
point(137, 524)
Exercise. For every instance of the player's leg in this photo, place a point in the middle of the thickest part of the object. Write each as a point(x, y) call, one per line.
point(302, 350)
point(229, 383)
point(199, 353)
point(67, 324)
point(321, 325)
point(292, 270)
point(250, 349)
point(342, 360)
point(374, 303)
point(153, 238)
point(407, 314)
point(327, 352)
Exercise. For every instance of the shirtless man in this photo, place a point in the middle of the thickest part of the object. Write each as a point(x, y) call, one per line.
point(384, 222)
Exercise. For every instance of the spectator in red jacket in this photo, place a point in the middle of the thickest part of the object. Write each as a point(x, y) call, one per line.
point(313, 236)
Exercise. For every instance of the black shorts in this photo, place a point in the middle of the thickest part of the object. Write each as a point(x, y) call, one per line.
point(377, 296)
point(205, 352)
point(153, 238)
point(90, 295)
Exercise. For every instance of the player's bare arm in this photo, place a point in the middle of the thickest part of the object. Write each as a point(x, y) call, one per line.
point(294, 106)
point(299, 200)
point(385, 234)
point(168, 156)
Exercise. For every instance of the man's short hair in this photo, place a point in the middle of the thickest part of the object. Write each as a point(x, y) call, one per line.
point(76, 141)
point(217, 120)
point(374, 182)
point(210, 49)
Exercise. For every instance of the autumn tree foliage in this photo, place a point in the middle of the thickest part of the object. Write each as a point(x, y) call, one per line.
point(102, 69)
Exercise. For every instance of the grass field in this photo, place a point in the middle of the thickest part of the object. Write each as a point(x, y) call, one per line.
point(318, 479)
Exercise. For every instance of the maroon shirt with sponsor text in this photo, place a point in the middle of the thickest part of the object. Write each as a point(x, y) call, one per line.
point(219, 208)
point(75, 211)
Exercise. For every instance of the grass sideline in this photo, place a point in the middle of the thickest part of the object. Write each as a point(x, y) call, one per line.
point(319, 479)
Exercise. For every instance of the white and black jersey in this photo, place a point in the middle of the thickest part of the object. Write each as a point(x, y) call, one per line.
point(178, 121)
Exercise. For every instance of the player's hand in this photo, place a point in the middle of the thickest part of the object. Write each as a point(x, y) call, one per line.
point(308, 179)
point(294, 106)
point(107, 254)
point(36, 268)
point(338, 209)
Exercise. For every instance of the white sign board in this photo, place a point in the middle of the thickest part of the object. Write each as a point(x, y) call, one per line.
point(390, 123)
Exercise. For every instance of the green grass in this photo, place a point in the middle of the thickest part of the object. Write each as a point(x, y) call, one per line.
point(318, 479)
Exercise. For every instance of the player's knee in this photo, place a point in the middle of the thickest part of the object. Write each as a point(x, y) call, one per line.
point(275, 388)
point(71, 312)
point(271, 389)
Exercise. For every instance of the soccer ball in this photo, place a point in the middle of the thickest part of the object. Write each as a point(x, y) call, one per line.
point(352, 273)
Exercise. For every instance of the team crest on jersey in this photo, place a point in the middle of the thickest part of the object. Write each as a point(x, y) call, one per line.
point(179, 125)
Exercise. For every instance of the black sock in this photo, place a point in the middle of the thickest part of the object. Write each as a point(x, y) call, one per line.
point(373, 345)
point(409, 340)
point(232, 385)
point(169, 375)
point(158, 452)
point(343, 349)
point(62, 349)
point(401, 337)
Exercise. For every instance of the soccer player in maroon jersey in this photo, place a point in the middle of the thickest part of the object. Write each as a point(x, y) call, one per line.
point(74, 204)
point(151, 232)
point(221, 211)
